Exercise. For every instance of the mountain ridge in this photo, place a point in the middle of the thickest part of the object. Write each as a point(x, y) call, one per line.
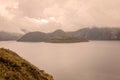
point(58, 36)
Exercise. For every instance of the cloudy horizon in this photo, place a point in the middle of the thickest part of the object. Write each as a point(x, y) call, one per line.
point(48, 15)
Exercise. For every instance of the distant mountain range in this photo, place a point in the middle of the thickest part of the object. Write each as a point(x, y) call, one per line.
point(57, 36)
point(6, 36)
point(98, 33)
point(81, 35)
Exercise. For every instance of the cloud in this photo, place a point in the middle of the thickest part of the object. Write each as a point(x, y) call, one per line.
point(8, 25)
point(63, 14)
point(74, 12)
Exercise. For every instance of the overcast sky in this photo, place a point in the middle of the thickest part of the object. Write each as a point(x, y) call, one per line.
point(48, 15)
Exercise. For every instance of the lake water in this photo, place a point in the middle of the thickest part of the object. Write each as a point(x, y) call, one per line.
point(94, 60)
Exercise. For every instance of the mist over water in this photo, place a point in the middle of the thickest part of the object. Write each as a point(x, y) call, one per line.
point(94, 60)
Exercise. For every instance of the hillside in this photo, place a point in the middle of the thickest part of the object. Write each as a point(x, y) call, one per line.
point(81, 35)
point(98, 33)
point(57, 36)
point(33, 37)
point(13, 67)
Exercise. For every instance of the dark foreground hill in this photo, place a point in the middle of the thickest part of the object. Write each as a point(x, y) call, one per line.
point(13, 67)
point(57, 36)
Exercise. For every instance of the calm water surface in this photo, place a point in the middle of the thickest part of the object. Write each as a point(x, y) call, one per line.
point(94, 60)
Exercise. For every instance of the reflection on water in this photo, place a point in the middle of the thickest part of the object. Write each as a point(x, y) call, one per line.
point(95, 60)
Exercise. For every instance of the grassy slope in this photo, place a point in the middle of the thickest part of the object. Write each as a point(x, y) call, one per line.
point(13, 67)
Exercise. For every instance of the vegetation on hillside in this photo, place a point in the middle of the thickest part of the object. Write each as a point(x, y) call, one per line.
point(13, 67)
